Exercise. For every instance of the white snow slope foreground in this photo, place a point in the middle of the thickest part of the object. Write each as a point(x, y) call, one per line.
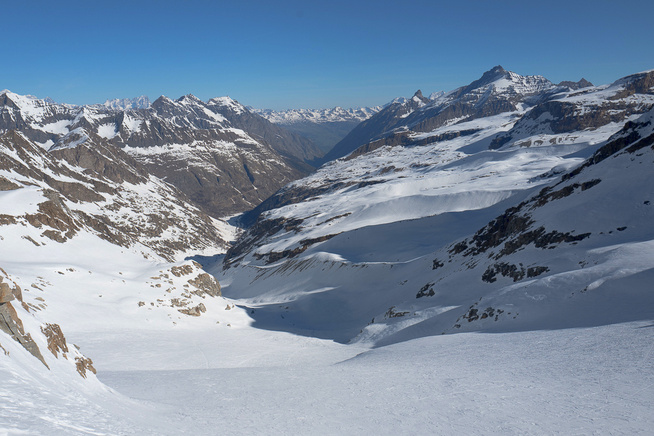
point(540, 258)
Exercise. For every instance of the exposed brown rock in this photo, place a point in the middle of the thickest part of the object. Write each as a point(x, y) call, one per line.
point(84, 364)
point(56, 339)
point(206, 284)
point(11, 324)
point(7, 185)
point(194, 311)
point(6, 295)
point(182, 270)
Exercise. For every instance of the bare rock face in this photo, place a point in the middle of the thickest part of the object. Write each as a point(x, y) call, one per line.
point(206, 284)
point(6, 295)
point(7, 185)
point(84, 364)
point(11, 324)
point(56, 339)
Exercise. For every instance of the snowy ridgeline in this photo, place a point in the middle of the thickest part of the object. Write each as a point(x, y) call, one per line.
point(318, 116)
point(489, 273)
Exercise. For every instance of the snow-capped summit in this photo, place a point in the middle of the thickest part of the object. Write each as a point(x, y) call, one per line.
point(496, 91)
point(227, 103)
point(502, 81)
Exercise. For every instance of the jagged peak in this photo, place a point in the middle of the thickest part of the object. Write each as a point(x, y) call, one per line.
point(583, 83)
point(189, 97)
point(163, 98)
point(162, 101)
point(490, 76)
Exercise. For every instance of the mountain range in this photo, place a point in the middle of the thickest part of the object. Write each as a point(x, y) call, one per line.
point(511, 205)
point(222, 156)
point(458, 193)
point(324, 127)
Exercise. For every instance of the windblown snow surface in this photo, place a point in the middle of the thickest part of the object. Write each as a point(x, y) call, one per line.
point(379, 327)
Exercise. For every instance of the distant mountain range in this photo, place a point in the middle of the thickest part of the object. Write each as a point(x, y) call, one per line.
point(142, 102)
point(318, 116)
point(324, 127)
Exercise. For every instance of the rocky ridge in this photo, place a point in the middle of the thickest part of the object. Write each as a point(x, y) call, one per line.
point(199, 147)
point(497, 91)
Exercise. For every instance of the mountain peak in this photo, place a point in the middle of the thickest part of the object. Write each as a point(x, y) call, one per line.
point(228, 103)
point(419, 97)
point(583, 83)
point(497, 69)
point(497, 72)
point(188, 98)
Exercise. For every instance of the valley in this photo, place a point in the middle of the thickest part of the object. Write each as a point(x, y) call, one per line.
point(476, 261)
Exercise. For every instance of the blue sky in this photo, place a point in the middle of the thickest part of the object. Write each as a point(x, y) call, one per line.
point(292, 54)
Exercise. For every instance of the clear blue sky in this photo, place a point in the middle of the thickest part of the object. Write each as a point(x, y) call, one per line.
point(292, 54)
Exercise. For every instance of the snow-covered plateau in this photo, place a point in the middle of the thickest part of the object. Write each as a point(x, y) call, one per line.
point(477, 262)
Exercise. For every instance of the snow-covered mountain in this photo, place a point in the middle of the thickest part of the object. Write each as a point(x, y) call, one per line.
point(318, 116)
point(497, 91)
point(200, 147)
point(464, 209)
point(324, 127)
point(87, 237)
point(142, 102)
point(513, 206)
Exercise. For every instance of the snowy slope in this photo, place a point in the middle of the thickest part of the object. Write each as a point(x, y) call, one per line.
point(354, 251)
point(496, 91)
point(487, 275)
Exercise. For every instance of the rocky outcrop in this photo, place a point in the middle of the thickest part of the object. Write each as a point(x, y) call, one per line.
point(56, 339)
point(12, 325)
point(84, 364)
point(583, 83)
point(206, 284)
point(183, 288)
